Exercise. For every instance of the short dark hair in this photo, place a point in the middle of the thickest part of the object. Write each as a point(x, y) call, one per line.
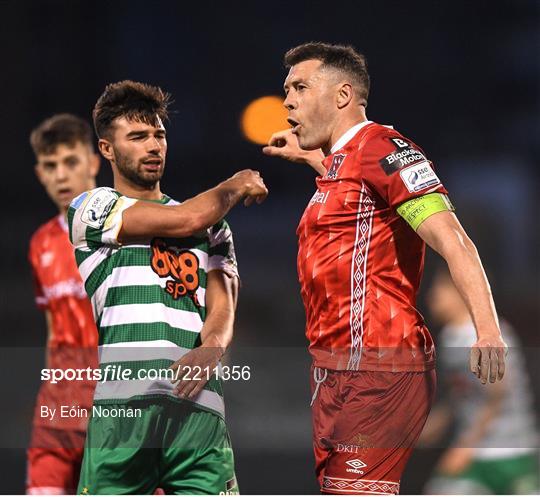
point(60, 129)
point(344, 58)
point(132, 100)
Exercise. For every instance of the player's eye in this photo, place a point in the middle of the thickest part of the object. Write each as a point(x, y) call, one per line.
point(49, 166)
point(72, 161)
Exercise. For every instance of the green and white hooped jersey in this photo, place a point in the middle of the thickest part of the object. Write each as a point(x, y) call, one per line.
point(148, 298)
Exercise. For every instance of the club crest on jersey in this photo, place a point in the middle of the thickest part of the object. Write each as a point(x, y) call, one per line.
point(337, 160)
point(179, 264)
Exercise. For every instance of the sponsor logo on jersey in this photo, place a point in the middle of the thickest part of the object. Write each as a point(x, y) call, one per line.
point(337, 160)
point(355, 445)
point(419, 177)
point(350, 448)
point(66, 288)
point(319, 198)
point(181, 265)
point(98, 207)
point(355, 466)
point(404, 155)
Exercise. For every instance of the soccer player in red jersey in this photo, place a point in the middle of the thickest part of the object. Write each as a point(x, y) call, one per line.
point(66, 166)
point(360, 259)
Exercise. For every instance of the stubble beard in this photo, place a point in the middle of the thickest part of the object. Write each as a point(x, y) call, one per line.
point(131, 170)
point(309, 141)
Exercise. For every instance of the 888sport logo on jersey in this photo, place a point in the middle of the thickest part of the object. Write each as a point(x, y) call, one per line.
point(181, 265)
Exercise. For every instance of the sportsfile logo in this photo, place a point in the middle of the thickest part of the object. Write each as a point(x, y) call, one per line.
point(355, 466)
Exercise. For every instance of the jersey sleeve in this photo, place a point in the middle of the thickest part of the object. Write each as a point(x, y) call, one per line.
point(221, 255)
point(397, 169)
point(42, 302)
point(95, 217)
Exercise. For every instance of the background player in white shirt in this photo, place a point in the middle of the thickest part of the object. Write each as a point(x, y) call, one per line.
point(493, 449)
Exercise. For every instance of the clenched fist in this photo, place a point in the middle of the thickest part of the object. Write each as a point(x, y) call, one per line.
point(251, 185)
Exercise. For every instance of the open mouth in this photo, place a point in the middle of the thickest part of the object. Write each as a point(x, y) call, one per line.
point(64, 192)
point(294, 124)
point(152, 164)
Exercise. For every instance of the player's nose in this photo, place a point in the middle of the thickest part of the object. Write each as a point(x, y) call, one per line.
point(288, 103)
point(61, 172)
point(154, 145)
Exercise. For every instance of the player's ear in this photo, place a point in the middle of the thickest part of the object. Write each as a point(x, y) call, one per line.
point(106, 149)
point(344, 95)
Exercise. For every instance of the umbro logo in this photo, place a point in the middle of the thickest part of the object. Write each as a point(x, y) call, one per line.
point(355, 465)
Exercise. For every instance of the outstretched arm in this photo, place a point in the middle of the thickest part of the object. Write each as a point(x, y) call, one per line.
point(148, 219)
point(216, 333)
point(284, 144)
point(444, 234)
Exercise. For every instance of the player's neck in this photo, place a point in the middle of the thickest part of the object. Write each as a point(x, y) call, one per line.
point(342, 126)
point(131, 190)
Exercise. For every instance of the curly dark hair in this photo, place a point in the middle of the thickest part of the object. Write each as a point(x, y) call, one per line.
point(344, 58)
point(132, 100)
point(60, 129)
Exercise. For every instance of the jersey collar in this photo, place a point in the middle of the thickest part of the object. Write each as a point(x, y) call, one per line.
point(348, 136)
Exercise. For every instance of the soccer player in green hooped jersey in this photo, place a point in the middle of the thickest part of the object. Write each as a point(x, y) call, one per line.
point(162, 279)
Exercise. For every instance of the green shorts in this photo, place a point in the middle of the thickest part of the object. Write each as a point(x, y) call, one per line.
point(512, 475)
point(167, 445)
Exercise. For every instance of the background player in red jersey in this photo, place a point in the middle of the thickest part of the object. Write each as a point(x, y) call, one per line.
point(360, 260)
point(66, 166)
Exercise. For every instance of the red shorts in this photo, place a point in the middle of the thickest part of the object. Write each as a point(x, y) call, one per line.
point(365, 425)
point(54, 461)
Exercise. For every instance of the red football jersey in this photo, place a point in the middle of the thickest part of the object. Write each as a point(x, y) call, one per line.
point(359, 262)
point(74, 339)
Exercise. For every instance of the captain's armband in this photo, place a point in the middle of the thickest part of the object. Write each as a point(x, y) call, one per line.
point(417, 210)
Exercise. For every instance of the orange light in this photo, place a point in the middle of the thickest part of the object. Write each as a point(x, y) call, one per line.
point(262, 118)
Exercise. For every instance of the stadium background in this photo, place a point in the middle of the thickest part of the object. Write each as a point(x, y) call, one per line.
point(460, 78)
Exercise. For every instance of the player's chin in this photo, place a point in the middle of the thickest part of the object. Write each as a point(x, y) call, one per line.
point(151, 177)
point(306, 144)
point(62, 202)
